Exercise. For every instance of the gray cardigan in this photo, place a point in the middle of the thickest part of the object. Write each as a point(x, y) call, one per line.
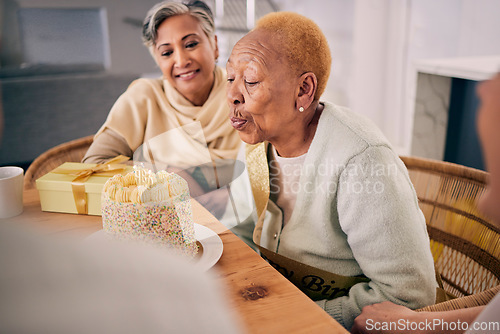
point(356, 213)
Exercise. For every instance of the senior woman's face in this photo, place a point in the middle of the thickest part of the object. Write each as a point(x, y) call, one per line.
point(186, 57)
point(260, 89)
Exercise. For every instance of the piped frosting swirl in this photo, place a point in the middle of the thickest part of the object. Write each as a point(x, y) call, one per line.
point(143, 186)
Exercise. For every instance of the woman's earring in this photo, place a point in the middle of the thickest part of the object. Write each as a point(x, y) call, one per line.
point(301, 109)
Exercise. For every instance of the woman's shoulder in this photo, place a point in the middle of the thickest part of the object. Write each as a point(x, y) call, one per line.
point(142, 90)
point(343, 134)
point(145, 85)
point(344, 123)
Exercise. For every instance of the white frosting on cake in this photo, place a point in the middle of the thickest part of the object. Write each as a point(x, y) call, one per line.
point(150, 207)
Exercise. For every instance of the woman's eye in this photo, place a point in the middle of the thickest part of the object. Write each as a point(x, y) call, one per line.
point(166, 53)
point(230, 79)
point(251, 83)
point(191, 44)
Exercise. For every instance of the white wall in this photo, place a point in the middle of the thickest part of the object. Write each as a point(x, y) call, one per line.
point(335, 18)
point(378, 87)
point(450, 28)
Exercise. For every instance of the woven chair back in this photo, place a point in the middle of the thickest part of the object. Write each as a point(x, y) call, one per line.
point(72, 151)
point(465, 245)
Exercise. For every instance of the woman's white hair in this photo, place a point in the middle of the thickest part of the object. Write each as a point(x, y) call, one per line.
point(163, 10)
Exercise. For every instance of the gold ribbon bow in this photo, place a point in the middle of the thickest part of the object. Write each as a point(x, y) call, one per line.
point(109, 168)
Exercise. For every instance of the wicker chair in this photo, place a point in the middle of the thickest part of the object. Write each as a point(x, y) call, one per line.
point(72, 151)
point(464, 244)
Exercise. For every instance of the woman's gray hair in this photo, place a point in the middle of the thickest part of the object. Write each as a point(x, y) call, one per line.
point(163, 10)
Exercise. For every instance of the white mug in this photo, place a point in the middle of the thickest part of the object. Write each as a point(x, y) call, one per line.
point(11, 191)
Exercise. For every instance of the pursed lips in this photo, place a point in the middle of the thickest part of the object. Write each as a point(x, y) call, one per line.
point(237, 122)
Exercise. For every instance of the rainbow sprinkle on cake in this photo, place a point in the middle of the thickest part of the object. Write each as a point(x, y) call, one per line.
point(150, 207)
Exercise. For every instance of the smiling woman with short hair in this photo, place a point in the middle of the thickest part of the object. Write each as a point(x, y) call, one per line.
point(178, 121)
point(181, 38)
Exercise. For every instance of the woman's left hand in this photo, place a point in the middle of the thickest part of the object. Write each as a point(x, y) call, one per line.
point(215, 201)
point(377, 317)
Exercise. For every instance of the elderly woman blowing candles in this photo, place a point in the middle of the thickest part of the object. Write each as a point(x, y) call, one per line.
point(335, 211)
point(181, 39)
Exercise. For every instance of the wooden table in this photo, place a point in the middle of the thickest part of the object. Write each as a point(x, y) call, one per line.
point(266, 301)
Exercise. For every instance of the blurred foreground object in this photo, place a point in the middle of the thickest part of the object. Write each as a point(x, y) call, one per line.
point(52, 286)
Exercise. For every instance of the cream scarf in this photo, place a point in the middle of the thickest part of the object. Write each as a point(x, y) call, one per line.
point(172, 129)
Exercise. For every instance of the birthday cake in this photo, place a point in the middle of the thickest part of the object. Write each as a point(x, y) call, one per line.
point(149, 207)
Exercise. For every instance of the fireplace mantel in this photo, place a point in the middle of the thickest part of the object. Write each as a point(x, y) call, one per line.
point(432, 98)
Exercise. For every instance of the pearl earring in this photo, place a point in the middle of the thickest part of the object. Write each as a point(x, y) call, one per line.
point(301, 109)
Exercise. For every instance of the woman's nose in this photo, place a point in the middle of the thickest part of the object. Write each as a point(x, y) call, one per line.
point(234, 95)
point(182, 59)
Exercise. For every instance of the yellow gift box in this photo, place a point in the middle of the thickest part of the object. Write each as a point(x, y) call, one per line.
point(76, 187)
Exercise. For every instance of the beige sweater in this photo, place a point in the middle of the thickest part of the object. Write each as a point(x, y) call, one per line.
point(153, 116)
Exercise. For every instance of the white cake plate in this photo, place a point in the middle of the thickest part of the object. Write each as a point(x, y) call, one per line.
point(211, 244)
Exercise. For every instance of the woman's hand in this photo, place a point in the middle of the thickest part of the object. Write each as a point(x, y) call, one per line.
point(215, 201)
point(386, 317)
point(378, 318)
